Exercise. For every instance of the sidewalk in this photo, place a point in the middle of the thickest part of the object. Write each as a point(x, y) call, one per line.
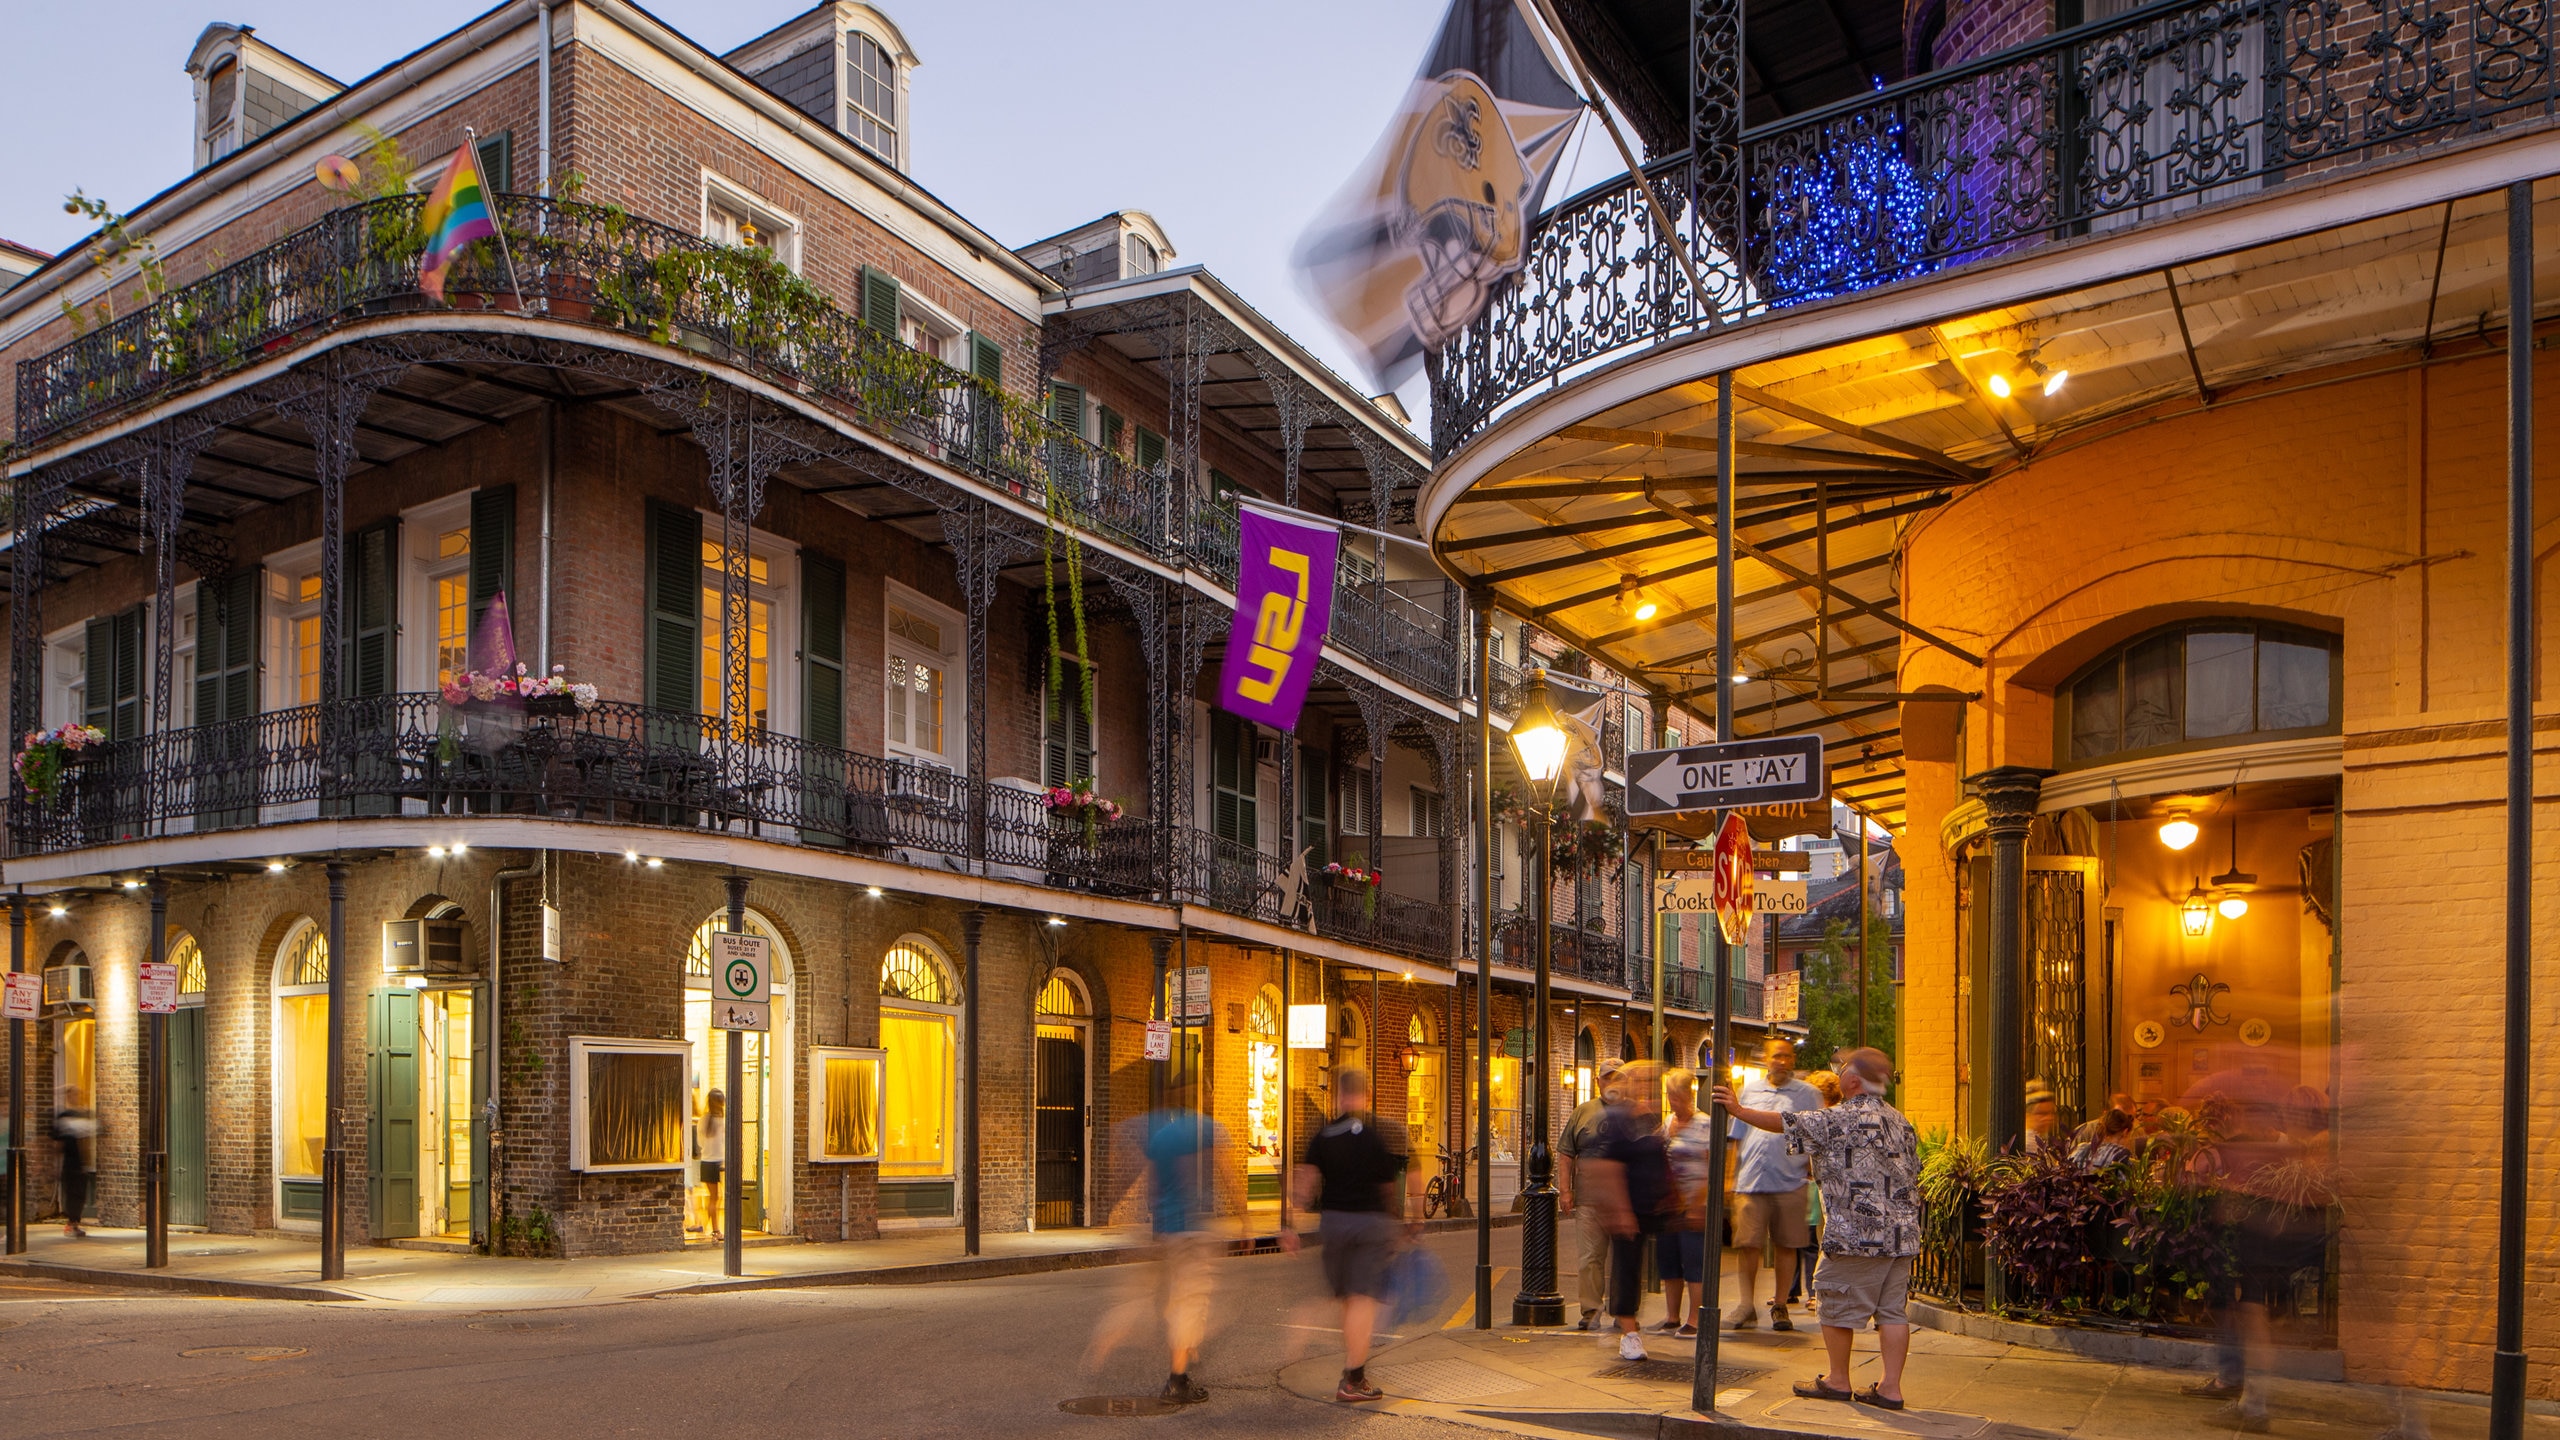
point(288, 1267)
point(1552, 1383)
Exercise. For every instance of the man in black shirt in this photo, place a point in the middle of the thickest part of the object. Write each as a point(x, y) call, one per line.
point(1354, 1177)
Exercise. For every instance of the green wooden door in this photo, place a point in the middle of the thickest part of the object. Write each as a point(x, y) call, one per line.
point(186, 1117)
point(392, 1096)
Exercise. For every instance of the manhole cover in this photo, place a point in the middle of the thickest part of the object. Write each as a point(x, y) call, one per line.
point(1673, 1372)
point(223, 1250)
point(1119, 1405)
point(519, 1325)
point(244, 1352)
point(1447, 1382)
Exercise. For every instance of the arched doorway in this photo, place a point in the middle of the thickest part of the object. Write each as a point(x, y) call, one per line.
point(1266, 1096)
point(186, 1084)
point(1061, 1104)
point(300, 1082)
point(1350, 1047)
point(1426, 1094)
point(1586, 1052)
point(920, 1095)
point(759, 1130)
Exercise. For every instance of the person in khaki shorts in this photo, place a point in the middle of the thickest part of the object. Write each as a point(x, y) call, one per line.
point(1769, 1188)
point(1866, 1158)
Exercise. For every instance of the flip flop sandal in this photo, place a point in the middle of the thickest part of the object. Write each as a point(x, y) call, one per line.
point(1874, 1395)
point(1814, 1389)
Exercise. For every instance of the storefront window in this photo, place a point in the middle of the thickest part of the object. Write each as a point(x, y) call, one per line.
point(2214, 682)
point(848, 1090)
point(635, 1110)
point(302, 1052)
point(1505, 1109)
point(919, 1030)
point(1266, 1099)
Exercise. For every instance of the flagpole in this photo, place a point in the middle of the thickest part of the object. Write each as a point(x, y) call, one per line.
point(1627, 155)
point(515, 282)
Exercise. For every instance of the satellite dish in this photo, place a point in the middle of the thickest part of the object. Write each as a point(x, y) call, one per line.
point(337, 172)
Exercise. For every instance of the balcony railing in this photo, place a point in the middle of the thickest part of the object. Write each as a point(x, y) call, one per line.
point(1592, 954)
point(2111, 123)
point(1242, 880)
point(1686, 987)
point(1370, 619)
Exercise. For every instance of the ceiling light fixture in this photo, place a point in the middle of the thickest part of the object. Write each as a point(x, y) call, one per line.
point(59, 911)
point(874, 891)
point(656, 862)
point(2195, 916)
point(2178, 832)
point(435, 852)
point(2234, 883)
point(1631, 600)
point(1057, 922)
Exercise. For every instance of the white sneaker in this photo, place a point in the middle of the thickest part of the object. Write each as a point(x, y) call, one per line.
point(1631, 1346)
point(1742, 1317)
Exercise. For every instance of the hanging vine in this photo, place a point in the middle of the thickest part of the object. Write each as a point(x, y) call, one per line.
point(1060, 506)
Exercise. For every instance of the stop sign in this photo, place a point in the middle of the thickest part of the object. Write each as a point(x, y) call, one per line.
point(1733, 879)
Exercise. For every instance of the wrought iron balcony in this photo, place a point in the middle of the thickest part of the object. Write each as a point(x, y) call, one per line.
point(1242, 880)
point(595, 265)
point(1583, 953)
point(2115, 122)
point(1687, 987)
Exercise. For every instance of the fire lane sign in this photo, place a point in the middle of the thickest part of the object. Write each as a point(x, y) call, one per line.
point(1719, 777)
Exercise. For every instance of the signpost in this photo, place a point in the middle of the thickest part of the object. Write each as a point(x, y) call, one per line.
point(1777, 769)
point(157, 988)
point(25, 996)
point(1159, 1039)
point(1784, 996)
point(741, 981)
point(1701, 862)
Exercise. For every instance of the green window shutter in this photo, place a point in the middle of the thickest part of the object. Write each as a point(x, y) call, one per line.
point(1066, 739)
point(1222, 484)
point(672, 639)
point(226, 658)
point(986, 358)
point(497, 162)
point(880, 301)
point(1150, 453)
point(493, 549)
point(112, 697)
point(1315, 782)
point(370, 603)
point(1110, 426)
point(98, 665)
point(1231, 778)
point(1066, 407)
point(822, 649)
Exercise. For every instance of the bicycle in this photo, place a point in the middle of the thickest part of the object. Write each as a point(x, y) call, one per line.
point(1447, 1192)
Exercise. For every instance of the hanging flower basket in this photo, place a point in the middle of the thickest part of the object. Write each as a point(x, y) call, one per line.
point(552, 694)
point(46, 753)
point(1593, 846)
point(1079, 805)
point(1365, 880)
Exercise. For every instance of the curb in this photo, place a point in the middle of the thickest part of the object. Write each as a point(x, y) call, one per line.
point(982, 1268)
point(176, 1284)
point(1641, 1425)
point(2164, 1352)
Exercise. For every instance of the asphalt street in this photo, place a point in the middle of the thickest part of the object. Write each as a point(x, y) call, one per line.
point(982, 1358)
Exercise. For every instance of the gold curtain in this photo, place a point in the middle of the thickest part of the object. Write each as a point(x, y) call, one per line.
point(853, 1107)
point(918, 1093)
point(635, 1109)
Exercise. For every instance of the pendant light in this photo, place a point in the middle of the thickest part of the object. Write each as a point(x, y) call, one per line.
point(2235, 882)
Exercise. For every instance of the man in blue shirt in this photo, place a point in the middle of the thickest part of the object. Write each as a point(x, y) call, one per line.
point(1769, 1187)
point(1182, 1147)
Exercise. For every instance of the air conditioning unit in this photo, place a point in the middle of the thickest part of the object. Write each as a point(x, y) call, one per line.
point(69, 985)
point(424, 947)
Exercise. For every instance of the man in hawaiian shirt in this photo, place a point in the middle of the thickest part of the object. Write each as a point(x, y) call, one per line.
point(1866, 1158)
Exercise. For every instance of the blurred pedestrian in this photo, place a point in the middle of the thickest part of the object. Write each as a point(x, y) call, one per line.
point(1628, 1181)
point(1866, 1158)
point(75, 1131)
point(2107, 1145)
point(2091, 1128)
point(1591, 1243)
point(1769, 1189)
point(2044, 1119)
point(1681, 1258)
point(2273, 1197)
point(1826, 1084)
point(711, 1148)
point(1354, 1179)
point(1182, 1148)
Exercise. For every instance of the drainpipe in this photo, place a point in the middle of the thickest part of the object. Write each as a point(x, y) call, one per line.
point(497, 1047)
point(542, 99)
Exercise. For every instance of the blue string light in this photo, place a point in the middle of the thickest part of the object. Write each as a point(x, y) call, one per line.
point(1861, 215)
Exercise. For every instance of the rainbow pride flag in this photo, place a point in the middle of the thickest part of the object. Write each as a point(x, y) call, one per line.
point(457, 213)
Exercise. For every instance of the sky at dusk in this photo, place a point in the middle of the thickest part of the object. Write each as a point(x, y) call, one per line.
point(1230, 122)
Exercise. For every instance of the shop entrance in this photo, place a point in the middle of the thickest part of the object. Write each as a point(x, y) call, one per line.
point(425, 1148)
point(1425, 1099)
point(186, 1085)
point(755, 1128)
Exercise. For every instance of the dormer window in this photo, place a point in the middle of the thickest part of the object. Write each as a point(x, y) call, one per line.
point(222, 96)
point(246, 89)
point(1142, 256)
point(871, 96)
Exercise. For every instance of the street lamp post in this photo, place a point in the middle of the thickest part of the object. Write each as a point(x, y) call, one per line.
point(1541, 742)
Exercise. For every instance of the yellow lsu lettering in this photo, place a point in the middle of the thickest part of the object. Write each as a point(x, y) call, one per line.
point(1275, 632)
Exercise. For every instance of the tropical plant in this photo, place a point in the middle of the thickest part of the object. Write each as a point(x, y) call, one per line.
point(46, 753)
point(2046, 1222)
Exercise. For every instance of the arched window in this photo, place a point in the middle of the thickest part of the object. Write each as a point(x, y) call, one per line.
point(919, 1028)
point(2199, 684)
point(1586, 1047)
point(188, 956)
point(1063, 996)
point(871, 95)
point(697, 955)
point(1417, 1028)
point(1707, 1055)
point(301, 1067)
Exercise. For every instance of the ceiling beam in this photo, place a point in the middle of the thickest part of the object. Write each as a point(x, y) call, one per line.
point(1751, 597)
point(1692, 567)
point(1806, 454)
point(1859, 433)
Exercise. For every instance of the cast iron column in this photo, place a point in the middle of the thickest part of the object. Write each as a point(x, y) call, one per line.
point(1161, 946)
point(1859, 823)
point(1488, 838)
point(733, 1203)
point(1539, 1302)
point(973, 924)
point(2009, 793)
point(1702, 1376)
point(17, 1238)
point(333, 1151)
point(2506, 1375)
point(155, 1100)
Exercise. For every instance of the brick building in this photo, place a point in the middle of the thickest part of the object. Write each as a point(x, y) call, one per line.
point(867, 530)
point(2119, 403)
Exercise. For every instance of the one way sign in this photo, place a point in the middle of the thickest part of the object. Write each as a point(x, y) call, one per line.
point(1720, 777)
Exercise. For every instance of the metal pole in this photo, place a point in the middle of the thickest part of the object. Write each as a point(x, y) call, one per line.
point(333, 1143)
point(733, 1203)
point(973, 923)
point(1162, 945)
point(17, 1238)
point(1488, 838)
point(1702, 1382)
point(155, 1100)
point(1539, 1302)
point(1858, 823)
point(1288, 1088)
point(2507, 1367)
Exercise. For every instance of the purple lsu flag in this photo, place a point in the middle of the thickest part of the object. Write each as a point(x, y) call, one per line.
point(1284, 602)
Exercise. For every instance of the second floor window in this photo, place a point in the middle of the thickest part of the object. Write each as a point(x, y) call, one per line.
point(450, 573)
point(757, 709)
point(301, 610)
point(1425, 812)
point(2199, 684)
point(871, 96)
point(921, 722)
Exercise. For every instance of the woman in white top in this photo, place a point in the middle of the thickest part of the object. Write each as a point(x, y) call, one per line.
point(711, 1147)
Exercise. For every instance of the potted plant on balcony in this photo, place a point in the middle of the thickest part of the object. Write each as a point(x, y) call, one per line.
point(1593, 846)
point(1081, 806)
point(1365, 880)
point(47, 753)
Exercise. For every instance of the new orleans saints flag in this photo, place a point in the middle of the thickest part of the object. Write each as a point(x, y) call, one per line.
point(1409, 252)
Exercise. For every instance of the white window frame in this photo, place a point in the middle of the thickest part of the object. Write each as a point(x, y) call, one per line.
point(878, 1059)
point(66, 674)
point(278, 609)
point(420, 528)
point(182, 663)
point(783, 227)
point(925, 326)
point(896, 125)
point(580, 1048)
point(782, 646)
point(955, 690)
